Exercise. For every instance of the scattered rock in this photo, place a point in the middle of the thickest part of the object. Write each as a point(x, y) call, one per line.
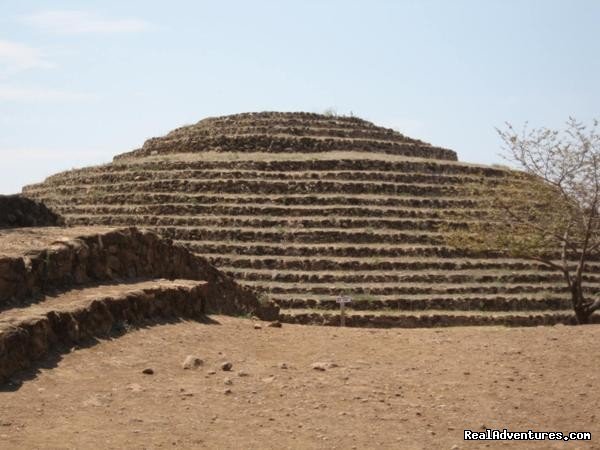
point(257, 326)
point(211, 372)
point(148, 371)
point(227, 381)
point(192, 362)
point(276, 324)
point(96, 400)
point(282, 365)
point(134, 387)
point(241, 373)
point(226, 366)
point(322, 366)
point(227, 392)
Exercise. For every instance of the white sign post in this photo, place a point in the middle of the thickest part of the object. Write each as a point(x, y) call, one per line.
point(342, 301)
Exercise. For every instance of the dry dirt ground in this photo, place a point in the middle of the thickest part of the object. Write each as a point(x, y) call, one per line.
point(403, 389)
point(19, 241)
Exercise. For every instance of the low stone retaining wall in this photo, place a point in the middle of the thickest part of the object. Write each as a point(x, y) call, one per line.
point(25, 341)
point(18, 211)
point(118, 255)
point(431, 320)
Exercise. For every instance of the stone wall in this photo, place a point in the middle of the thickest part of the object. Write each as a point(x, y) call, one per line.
point(18, 211)
point(289, 133)
point(117, 255)
point(289, 145)
point(29, 339)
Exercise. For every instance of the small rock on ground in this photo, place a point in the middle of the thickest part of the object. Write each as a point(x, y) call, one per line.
point(322, 366)
point(226, 366)
point(192, 362)
point(148, 371)
point(134, 387)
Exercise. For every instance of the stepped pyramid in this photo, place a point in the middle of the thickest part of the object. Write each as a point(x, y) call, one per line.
point(306, 207)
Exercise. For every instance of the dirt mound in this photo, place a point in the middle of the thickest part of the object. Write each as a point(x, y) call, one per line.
point(305, 208)
point(19, 211)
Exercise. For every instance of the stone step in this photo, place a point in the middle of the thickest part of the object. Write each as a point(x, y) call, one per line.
point(402, 287)
point(316, 263)
point(281, 118)
point(294, 291)
point(301, 162)
point(216, 174)
point(298, 119)
point(394, 277)
point(70, 318)
point(431, 318)
point(226, 199)
point(37, 261)
point(296, 131)
point(294, 120)
point(215, 248)
point(281, 224)
point(285, 144)
point(325, 235)
point(272, 210)
point(434, 301)
point(271, 187)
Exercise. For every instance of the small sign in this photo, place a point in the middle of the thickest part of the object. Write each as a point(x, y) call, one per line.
point(343, 301)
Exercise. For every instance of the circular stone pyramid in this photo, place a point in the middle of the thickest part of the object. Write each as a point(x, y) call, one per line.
point(307, 207)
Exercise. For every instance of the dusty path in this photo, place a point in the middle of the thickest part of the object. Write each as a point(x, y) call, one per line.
point(406, 389)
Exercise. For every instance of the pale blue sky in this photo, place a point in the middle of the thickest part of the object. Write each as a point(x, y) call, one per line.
point(81, 81)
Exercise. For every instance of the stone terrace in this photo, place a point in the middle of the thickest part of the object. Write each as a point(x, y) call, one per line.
point(61, 287)
point(305, 207)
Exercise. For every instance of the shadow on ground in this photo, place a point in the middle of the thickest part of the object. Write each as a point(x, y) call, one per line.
point(53, 357)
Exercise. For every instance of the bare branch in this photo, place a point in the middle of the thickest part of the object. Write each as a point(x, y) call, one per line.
point(551, 209)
